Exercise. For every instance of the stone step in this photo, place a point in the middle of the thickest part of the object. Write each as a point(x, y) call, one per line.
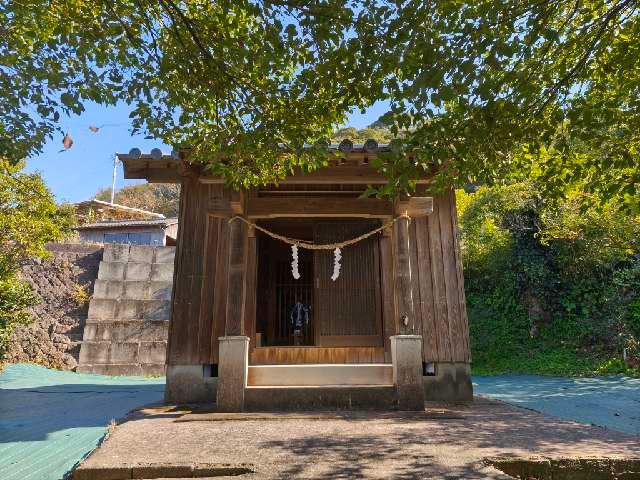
point(320, 374)
point(138, 369)
point(138, 271)
point(132, 290)
point(126, 331)
point(321, 397)
point(113, 352)
point(108, 309)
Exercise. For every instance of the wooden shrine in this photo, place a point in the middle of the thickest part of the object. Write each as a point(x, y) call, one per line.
point(311, 340)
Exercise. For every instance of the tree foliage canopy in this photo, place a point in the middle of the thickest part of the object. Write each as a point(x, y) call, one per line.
point(29, 218)
point(550, 289)
point(161, 198)
point(485, 91)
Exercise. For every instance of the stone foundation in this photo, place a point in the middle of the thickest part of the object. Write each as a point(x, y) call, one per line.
point(451, 382)
point(190, 384)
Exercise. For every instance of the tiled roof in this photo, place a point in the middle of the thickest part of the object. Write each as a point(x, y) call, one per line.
point(161, 222)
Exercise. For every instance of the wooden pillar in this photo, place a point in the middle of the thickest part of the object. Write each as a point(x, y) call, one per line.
point(388, 290)
point(236, 278)
point(251, 285)
point(405, 313)
point(406, 280)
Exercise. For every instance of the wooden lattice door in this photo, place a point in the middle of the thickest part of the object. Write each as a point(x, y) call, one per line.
point(348, 310)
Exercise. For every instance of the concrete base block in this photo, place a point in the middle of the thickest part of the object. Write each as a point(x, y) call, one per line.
point(346, 397)
point(116, 252)
point(100, 309)
point(162, 272)
point(138, 271)
point(165, 254)
point(160, 290)
point(141, 253)
point(406, 356)
point(135, 290)
point(126, 331)
point(108, 289)
point(111, 270)
point(188, 384)
point(232, 373)
point(452, 382)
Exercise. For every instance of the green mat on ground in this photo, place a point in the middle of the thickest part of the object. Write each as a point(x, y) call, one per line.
point(611, 402)
point(50, 420)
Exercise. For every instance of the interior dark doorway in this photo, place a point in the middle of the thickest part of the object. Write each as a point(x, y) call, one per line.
point(315, 310)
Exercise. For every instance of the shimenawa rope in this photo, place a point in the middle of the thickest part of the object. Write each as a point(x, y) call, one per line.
point(325, 246)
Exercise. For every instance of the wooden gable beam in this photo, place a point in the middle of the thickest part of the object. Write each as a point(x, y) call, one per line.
point(273, 207)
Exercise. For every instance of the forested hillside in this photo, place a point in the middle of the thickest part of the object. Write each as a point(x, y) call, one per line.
point(553, 286)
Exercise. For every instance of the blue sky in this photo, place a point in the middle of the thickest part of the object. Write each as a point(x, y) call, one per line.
point(79, 172)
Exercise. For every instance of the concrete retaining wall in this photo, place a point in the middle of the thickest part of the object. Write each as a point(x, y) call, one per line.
point(128, 319)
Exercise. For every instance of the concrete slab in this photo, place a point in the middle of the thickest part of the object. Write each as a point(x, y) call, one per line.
point(137, 271)
point(162, 272)
point(141, 254)
point(108, 289)
point(111, 270)
point(360, 445)
point(165, 254)
point(116, 253)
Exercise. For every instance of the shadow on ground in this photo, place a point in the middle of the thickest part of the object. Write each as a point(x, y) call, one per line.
point(50, 420)
point(612, 402)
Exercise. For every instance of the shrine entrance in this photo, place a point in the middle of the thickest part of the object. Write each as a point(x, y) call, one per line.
point(314, 310)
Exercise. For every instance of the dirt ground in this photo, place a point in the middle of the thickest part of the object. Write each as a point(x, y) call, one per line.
point(446, 442)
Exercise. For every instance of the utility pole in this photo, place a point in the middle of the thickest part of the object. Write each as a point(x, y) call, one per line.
point(113, 181)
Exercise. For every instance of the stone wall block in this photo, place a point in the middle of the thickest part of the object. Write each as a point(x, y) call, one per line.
point(141, 254)
point(138, 271)
point(109, 289)
point(162, 272)
point(160, 290)
point(111, 270)
point(128, 310)
point(116, 252)
point(94, 352)
point(152, 352)
point(156, 309)
point(123, 352)
point(100, 309)
point(136, 290)
point(165, 255)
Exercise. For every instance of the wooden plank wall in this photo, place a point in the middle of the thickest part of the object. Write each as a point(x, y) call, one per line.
point(298, 355)
point(201, 276)
point(438, 285)
point(199, 303)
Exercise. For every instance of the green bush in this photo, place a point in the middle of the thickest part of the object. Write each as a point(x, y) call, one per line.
point(29, 218)
point(552, 286)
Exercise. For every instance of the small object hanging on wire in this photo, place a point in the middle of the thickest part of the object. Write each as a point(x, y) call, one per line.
point(67, 142)
point(337, 256)
point(294, 262)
